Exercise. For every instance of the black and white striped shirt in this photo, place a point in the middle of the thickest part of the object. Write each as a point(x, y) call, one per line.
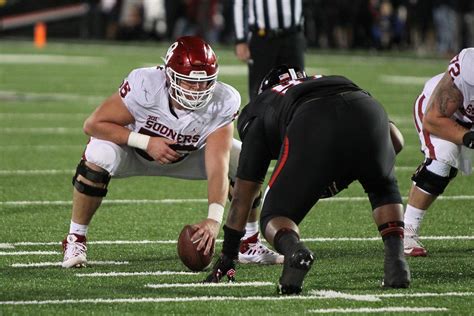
point(266, 16)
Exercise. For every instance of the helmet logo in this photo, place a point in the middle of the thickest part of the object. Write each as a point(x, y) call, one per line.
point(170, 51)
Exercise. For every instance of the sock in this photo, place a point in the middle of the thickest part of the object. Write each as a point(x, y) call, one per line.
point(78, 229)
point(413, 219)
point(284, 241)
point(231, 244)
point(391, 229)
point(251, 229)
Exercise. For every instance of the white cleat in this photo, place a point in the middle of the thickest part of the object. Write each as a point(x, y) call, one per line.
point(253, 251)
point(74, 248)
point(412, 246)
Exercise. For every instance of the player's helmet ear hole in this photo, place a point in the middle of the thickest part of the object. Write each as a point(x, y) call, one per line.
point(280, 74)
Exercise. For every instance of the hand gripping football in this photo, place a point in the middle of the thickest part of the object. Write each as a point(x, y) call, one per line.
point(193, 259)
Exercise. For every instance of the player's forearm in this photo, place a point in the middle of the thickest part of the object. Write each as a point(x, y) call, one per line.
point(217, 189)
point(445, 128)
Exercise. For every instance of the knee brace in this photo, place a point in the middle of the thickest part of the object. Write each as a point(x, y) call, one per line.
point(431, 182)
point(92, 175)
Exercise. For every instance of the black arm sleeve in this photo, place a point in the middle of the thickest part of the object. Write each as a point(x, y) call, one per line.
point(254, 157)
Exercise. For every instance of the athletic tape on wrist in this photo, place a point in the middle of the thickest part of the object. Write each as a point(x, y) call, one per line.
point(216, 212)
point(138, 140)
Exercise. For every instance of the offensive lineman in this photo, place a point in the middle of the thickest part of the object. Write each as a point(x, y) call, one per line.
point(313, 126)
point(174, 120)
point(444, 116)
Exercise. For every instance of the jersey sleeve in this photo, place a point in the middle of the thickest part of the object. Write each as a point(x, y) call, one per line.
point(467, 66)
point(255, 156)
point(231, 107)
point(138, 89)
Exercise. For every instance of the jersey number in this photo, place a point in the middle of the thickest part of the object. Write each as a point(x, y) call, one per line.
point(124, 89)
point(454, 67)
point(281, 89)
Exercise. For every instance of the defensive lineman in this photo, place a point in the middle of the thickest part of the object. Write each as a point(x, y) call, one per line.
point(313, 126)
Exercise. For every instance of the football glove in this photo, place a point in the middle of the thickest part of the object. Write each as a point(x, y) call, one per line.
point(224, 266)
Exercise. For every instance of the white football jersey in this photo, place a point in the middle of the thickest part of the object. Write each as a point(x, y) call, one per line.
point(145, 94)
point(461, 69)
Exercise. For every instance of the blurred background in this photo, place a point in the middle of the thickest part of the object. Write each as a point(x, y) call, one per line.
point(440, 27)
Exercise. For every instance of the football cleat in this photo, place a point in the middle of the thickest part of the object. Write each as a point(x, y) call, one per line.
point(253, 251)
point(224, 266)
point(412, 246)
point(396, 269)
point(295, 269)
point(74, 248)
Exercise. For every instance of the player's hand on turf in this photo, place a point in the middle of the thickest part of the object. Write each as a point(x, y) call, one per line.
point(224, 266)
point(206, 233)
point(160, 151)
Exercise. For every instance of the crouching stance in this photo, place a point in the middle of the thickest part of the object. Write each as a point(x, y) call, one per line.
point(174, 120)
point(313, 126)
point(444, 116)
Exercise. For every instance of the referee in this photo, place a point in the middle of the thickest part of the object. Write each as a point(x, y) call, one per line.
point(268, 33)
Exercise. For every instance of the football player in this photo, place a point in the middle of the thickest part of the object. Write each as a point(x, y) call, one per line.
point(313, 126)
point(444, 116)
point(174, 120)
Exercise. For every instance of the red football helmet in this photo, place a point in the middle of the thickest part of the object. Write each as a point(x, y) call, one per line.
point(191, 59)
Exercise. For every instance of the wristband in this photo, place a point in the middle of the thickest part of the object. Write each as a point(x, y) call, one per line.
point(468, 139)
point(138, 140)
point(216, 212)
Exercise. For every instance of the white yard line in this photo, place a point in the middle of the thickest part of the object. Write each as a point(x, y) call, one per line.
point(41, 130)
point(59, 263)
point(179, 201)
point(404, 80)
point(194, 285)
point(379, 310)
point(30, 148)
point(50, 59)
point(43, 116)
point(377, 297)
point(124, 274)
point(6, 245)
point(186, 299)
point(28, 253)
point(34, 96)
point(33, 172)
point(162, 300)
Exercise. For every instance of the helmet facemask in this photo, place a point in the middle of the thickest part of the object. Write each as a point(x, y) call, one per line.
point(191, 99)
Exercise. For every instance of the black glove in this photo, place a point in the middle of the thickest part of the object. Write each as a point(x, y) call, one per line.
point(224, 266)
point(468, 139)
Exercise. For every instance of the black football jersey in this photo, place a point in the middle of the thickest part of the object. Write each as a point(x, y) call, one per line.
point(277, 105)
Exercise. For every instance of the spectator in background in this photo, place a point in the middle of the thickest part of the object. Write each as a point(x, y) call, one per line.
point(131, 21)
point(268, 33)
point(446, 26)
point(467, 10)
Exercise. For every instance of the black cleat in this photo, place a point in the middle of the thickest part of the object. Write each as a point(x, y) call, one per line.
point(396, 269)
point(295, 268)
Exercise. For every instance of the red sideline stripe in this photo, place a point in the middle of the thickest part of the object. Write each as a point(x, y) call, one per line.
point(53, 14)
point(284, 157)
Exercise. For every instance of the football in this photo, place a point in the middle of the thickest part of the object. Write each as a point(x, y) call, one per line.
point(193, 259)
